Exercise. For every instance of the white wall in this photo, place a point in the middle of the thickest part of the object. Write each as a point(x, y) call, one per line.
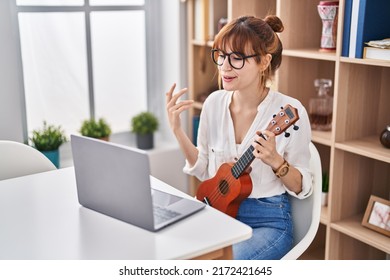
point(11, 87)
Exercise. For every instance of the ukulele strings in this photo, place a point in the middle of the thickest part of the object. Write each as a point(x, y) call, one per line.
point(227, 180)
point(241, 165)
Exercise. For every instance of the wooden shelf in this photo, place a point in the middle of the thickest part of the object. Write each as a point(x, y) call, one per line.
point(369, 147)
point(373, 62)
point(322, 137)
point(353, 228)
point(357, 164)
point(310, 53)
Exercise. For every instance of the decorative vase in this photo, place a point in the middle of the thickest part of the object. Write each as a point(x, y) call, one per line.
point(53, 156)
point(145, 141)
point(385, 137)
point(328, 11)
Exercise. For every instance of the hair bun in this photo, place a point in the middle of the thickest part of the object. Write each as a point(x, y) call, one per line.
point(275, 23)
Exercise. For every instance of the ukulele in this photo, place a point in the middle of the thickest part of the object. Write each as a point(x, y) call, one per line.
point(232, 183)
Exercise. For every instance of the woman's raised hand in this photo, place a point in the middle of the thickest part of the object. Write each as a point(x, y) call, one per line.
point(175, 106)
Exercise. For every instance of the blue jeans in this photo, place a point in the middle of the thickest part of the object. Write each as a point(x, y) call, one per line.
point(270, 219)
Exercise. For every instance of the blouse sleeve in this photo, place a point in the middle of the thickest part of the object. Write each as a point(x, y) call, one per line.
point(298, 154)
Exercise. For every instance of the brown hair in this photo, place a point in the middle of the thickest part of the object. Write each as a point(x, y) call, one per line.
point(250, 34)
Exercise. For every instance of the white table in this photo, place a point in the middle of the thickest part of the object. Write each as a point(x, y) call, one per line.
point(40, 218)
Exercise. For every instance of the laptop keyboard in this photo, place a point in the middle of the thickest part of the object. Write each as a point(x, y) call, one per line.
point(162, 214)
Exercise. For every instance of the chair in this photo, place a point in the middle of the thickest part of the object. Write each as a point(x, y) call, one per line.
point(17, 159)
point(306, 212)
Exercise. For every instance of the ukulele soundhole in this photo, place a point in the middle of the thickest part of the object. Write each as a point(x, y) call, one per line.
point(223, 187)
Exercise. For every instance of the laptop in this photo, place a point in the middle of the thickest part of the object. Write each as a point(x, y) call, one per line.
point(114, 180)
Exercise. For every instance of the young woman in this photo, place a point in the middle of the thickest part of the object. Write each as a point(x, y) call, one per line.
point(247, 52)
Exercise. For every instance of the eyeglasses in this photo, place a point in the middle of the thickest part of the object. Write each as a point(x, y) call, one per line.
point(236, 59)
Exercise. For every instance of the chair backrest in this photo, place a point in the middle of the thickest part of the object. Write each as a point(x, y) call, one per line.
point(17, 159)
point(306, 212)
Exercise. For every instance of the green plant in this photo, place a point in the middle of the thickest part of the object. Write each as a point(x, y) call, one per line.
point(144, 123)
point(325, 182)
point(95, 129)
point(48, 138)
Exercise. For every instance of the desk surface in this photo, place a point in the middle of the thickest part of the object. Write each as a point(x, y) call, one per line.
point(40, 218)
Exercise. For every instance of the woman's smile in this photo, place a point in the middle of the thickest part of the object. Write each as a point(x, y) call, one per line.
point(228, 79)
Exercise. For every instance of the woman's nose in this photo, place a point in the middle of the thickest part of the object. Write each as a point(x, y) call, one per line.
point(226, 65)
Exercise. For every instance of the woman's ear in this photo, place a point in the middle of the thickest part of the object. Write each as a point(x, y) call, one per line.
point(265, 61)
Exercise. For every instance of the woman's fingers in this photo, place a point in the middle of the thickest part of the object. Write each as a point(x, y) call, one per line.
point(264, 144)
point(175, 107)
point(170, 92)
point(180, 107)
point(171, 98)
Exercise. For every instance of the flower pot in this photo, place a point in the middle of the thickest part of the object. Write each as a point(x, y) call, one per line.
point(145, 141)
point(53, 156)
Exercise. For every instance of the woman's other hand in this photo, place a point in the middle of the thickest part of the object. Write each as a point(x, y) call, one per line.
point(175, 106)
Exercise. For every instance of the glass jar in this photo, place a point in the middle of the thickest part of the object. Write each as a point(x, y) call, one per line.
point(321, 106)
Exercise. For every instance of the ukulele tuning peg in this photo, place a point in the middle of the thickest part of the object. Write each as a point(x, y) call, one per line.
point(296, 127)
point(286, 134)
point(281, 107)
point(274, 115)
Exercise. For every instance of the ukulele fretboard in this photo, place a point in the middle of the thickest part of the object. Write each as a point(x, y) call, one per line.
point(244, 161)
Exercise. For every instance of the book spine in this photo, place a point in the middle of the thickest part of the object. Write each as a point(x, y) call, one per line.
point(360, 29)
point(346, 28)
point(353, 32)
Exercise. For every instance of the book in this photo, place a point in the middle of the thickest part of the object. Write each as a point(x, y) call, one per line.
point(353, 28)
point(346, 27)
point(376, 53)
point(201, 20)
point(373, 23)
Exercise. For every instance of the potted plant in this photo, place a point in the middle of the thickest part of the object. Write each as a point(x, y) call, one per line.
point(325, 189)
point(96, 129)
point(48, 140)
point(144, 125)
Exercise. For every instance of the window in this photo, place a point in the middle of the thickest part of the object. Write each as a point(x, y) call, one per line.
point(83, 59)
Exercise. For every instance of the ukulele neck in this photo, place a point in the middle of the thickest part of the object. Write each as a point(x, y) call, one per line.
point(244, 161)
point(286, 117)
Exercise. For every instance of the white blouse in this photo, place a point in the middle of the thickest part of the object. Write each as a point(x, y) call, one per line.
point(216, 143)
